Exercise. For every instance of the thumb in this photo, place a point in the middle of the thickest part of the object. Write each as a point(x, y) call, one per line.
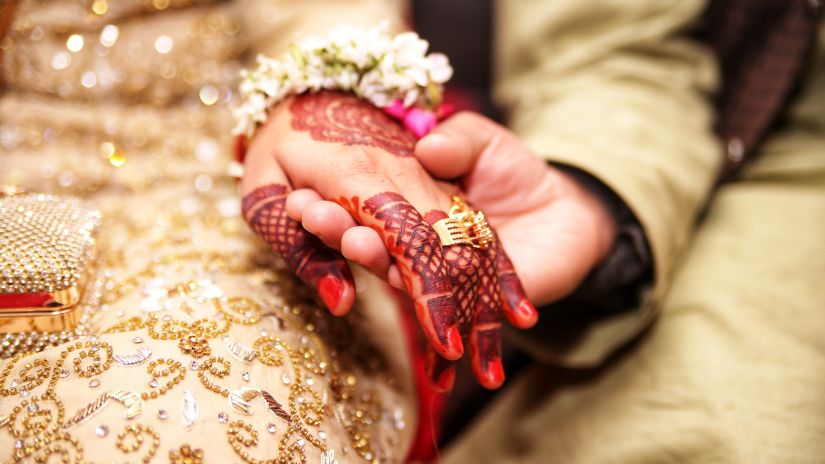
point(453, 148)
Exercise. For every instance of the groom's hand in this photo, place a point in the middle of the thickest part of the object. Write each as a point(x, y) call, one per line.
point(554, 230)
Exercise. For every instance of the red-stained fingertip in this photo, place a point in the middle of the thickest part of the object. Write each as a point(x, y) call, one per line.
point(445, 381)
point(332, 292)
point(494, 375)
point(528, 316)
point(455, 349)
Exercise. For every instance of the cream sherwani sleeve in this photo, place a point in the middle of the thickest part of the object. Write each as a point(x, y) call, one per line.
point(621, 91)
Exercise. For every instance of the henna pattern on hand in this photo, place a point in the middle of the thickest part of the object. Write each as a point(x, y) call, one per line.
point(317, 265)
point(517, 307)
point(340, 118)
point(485, 335)
point(459, 292)
point(475, 283)
point(417, 251)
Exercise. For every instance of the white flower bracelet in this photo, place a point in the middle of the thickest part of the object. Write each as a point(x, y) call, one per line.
point(394, 73)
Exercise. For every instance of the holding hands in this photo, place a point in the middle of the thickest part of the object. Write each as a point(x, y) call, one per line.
point(330, 177)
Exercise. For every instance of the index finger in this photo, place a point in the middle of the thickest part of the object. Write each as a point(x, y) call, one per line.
point(416, 249)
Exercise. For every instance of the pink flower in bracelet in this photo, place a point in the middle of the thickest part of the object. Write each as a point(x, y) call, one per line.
point(418, 120)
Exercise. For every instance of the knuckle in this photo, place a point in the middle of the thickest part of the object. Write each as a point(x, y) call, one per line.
point(406, 174)
point(422, 236)
point(356, 165)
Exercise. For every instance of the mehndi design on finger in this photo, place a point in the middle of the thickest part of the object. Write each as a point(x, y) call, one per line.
point(316, 264)
point(485, 334)
point(517, 307)
point(417, 250)
point(476, 286)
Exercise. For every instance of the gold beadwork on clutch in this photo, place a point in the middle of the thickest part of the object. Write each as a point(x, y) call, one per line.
point(47, 245)
point(46, 242)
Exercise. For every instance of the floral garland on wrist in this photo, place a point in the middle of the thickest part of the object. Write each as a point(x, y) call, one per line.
point(393, 73)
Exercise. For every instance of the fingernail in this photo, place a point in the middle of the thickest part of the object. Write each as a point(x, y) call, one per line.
point(494, 374)
point(445, 381)
point(528, 313)
point(331, 289)
point(454, 346)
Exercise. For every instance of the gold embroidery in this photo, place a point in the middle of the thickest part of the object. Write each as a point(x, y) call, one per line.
point(186, 455)
point(171, 329)
point(129, 325)
point(97, 365)
point(135, 432)
point(304, 403)
point(35, 418)
point(210, 328)
point(206, 312)
point(209, 261)
point(63, 446)
point(239, 309)
point(156, 370)
point(269, 350)
point(242, 435)
point(31, 376)
point(217, 366)
point(194, 346)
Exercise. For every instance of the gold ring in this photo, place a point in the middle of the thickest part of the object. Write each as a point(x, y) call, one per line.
point(451, 232)
point(464, 227)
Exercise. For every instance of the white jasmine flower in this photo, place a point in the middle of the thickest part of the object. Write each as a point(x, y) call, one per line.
point(418, 75)
point(269, 86)
point(438, 67)
point(346, 78)
point(256, 106)
point(409, 48)
point(376, 67)
point(381, 99)
point(411, 97)
point(247, 86)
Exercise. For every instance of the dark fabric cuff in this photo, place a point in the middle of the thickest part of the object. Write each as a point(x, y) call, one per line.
point(618, 281)
point(614, 288)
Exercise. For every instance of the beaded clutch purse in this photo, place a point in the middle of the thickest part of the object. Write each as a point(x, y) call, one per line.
point(47, 246)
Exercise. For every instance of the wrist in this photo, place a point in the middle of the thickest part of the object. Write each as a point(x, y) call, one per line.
point(601, 211)
point(395, 73)
point(623, 266)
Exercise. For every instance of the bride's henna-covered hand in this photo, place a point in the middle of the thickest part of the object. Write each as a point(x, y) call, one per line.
point(347, 150)
point(320, 267)
point(416, 249)
point(343, 148)
point(485, 286)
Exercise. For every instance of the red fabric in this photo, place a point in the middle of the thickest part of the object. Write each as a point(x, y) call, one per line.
point(240, 148)
point(24, 300)
point(430, 402)
point(457, 99)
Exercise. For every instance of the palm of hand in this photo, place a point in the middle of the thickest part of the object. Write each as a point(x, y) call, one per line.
point(553, 229)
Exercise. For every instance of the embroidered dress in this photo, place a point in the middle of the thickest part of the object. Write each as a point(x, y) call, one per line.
point(199, 345)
